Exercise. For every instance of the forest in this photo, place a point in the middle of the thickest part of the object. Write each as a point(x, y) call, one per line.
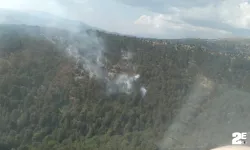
point(48, 101)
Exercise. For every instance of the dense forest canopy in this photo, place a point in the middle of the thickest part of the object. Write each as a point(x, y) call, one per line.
point(48, 100)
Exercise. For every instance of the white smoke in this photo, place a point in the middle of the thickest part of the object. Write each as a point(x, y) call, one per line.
point(89, 53)
point(127, 55)
point(143, 91)
point(125, 82)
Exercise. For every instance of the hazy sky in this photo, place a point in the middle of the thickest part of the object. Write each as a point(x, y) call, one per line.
point(156, 18)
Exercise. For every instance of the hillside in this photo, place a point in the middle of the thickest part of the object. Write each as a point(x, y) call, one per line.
point(71, 91)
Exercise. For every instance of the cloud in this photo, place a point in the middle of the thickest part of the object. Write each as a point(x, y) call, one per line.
point(232, 12)
point(167, 26)
point(213, 18)
point(155, 21)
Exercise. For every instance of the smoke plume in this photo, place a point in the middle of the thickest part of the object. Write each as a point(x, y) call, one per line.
point(89, 54)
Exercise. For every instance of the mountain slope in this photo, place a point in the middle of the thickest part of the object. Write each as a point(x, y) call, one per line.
point(49, 100)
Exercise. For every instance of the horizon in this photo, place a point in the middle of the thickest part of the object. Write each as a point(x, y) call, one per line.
point(116, 33)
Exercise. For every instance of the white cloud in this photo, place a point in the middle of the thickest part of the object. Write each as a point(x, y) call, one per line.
point(208, 18)
point(156, 21)
point(168, 26)
point(235, 13)
point(240, 17)
point(232, 12)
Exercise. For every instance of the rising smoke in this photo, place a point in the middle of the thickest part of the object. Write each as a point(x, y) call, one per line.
point(89, 53)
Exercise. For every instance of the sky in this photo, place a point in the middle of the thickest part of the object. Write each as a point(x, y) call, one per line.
point(151, 18)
